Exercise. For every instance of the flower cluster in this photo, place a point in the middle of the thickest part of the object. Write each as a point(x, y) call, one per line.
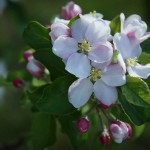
point(98, 59)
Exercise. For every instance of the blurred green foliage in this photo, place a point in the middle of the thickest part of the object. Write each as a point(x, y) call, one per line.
point(15, 120)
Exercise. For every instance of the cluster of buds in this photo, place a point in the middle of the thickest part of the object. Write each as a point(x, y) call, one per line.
point(34, 67)
point(118, 131)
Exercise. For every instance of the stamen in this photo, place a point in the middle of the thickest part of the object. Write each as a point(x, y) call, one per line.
point(131, 61)
point(95, 74)
point(84, 47)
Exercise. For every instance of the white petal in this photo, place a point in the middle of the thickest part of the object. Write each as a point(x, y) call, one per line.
point(100, 66)
point(97, 32)
point(146, 36)
point(122, 19)
point(58, 29)
point(104, 93)
point(114, 75)
point(64, 47)
point(80, 92)
point(79, 65)
point(58, 20)
point(129, 48)
point(78, 28)
point(139, 71)
point(101, 53)
point(121, 62)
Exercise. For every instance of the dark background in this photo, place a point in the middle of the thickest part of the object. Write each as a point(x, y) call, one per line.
point(15, 120)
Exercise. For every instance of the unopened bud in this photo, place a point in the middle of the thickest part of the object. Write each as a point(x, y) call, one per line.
point(35, 68)
point(120, 131)
point(18, 83)
point(83, 125)
point(104, 138)
point(70, 10)
point(28, 55)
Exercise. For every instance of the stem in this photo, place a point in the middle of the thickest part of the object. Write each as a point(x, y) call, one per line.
point(100, 119)
point(109, 116)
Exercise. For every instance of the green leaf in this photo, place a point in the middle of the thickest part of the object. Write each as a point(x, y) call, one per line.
point(53, 98)
point(115, 25)
point(37, 36)
point(135, 100)
point(137, 131)
point(138, 114)
point(136, 92)
point(43, 132)
point(146, 46)
point(144, 58)
point(53, 63)
point(72, 20)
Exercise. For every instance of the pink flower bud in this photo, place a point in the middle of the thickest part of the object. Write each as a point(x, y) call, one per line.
point(105, 106)
point(18, 83)
point(70, 11)
point(104, 138)
point(83, 125)
point(28, 55)
point(35, 68)
point(120, 131)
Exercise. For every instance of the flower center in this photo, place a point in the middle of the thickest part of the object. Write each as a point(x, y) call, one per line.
point(131, 62)
point(84, 47)
point(95, 74)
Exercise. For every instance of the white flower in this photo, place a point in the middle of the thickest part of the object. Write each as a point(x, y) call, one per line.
point(130, 50)
point(88, 43)
point(101, 82)
point(134, 27)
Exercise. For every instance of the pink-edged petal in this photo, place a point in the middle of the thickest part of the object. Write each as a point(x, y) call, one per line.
point(135, 26)
point(104, 93)
point(80, 92)
point(146, 36)
point(97, 32)
point(113, 75)
point(78, 28)
point(59, 29)
point(64, 47)
point(101, 53)
point(128, 47)
point(141, 71)
point(79, 65)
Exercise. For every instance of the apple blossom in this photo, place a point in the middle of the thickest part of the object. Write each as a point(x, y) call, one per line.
point(70, 10)
point(134, 27)
point(87, 43)
point(101, 82)
point(130, 50)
